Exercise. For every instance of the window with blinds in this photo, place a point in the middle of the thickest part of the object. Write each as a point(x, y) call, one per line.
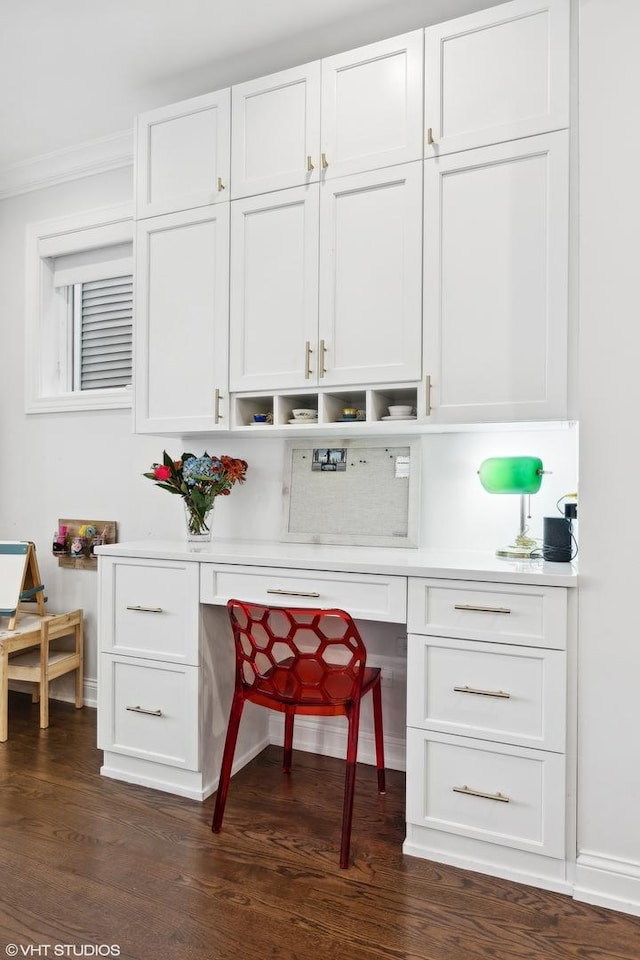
point(79, 312)
point(102, 333)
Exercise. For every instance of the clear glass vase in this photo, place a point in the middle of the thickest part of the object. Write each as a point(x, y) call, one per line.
point(198, 523)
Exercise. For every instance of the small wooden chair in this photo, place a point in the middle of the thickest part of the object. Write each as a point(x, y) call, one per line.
point(25, 651)
point(41, 664)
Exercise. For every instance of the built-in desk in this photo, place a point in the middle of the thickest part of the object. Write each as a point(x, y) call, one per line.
point(490, 739)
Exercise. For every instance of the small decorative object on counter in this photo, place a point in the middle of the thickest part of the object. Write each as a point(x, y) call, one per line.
point(198, 480)
point(77, 546)
point(60, 540)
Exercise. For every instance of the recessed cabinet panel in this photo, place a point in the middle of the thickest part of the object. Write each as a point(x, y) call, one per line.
point(490, 791)
point(276, 131)
point(497, 75)
point(371, 277)
point(490, 691)
point(372, 106)
point(274, 289)
point(498, 612)
point(182, 288)
point(152, 710)
point(150, 609)
point(496, 280)
point(183, 155)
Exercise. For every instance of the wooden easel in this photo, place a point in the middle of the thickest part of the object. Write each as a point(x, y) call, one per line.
point(19, 579)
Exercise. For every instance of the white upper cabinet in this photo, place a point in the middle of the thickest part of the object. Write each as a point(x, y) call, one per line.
point(370, 325)
point(365, 263)
point(182, 321)
point(276, 131)
point(182, 155)
point(495, 281)
point(372, 106)
point(274, 289)
point(497, 75)
point(350, 113)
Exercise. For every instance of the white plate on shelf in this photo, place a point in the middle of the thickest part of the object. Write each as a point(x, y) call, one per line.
point(412, 417)
point(304, 420)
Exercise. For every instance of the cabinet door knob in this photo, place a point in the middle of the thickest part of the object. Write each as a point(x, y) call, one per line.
point(325, 162)
point(307, 360)
point(499, 694)
point(310, 165)
point(430, 139)
point(220, 184)
point(322, 369)
point(217, 397)
point(470, 792)
point(149, 713)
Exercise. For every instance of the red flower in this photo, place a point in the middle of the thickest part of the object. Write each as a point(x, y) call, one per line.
point(161, 472)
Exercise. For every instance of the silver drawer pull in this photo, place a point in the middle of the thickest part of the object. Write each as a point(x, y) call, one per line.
point(293, 593)
point(483, 693)
point(500, 797)
point(475, 609)
point(149, 713)
point(147, 609)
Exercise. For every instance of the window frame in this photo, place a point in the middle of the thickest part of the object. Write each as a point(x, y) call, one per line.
point(47, 325)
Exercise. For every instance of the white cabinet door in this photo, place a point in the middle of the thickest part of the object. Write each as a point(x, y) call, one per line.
point(496, 281)
point(371, 277)
point(182, 320)
point(497, 75)
point(276, 131)
point(274, 289)
point(372, 106)
point(182, 155)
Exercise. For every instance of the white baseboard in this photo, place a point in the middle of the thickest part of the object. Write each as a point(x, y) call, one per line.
point(329, 738)
point(608, 882)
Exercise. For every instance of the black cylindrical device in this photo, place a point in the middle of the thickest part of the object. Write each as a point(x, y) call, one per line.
point(556, 539)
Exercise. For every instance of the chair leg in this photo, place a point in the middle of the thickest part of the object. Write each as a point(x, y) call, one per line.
point(227, 761)
point(44, 675)
point(376, 693)
point(353, 717)
point(288, 741)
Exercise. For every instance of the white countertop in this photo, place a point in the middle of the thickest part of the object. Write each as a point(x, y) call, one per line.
point(407, 562)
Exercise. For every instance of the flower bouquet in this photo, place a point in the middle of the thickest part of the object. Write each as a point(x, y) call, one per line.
point(198, 480)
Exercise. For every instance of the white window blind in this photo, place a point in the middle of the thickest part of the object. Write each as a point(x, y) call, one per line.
point(103, 333)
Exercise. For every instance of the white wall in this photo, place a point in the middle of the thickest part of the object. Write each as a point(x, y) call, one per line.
point(609, 650)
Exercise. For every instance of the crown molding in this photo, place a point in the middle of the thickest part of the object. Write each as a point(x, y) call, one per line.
point(72, 163)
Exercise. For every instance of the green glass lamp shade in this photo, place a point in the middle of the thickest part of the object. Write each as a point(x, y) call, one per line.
point(511, 474)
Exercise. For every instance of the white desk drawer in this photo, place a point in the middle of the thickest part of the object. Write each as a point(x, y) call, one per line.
point(505, 795)
point(151, 609)
point(364, 596)
point(149, 710)
point(487, 690)
point(528, 615)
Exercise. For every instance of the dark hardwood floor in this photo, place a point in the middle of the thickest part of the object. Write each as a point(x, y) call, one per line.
point(88, 864)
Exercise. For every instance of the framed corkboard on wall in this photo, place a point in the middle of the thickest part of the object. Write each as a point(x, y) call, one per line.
point(360, 492)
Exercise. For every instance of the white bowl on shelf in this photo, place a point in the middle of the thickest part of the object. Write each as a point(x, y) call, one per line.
point(400, 410)
point(305, 414)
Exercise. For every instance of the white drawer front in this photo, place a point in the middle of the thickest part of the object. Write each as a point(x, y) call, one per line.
point(364, 596)
point(487, 690)
point(529, 615)
point(151, 609)
point(149, 710)
point(505, 795)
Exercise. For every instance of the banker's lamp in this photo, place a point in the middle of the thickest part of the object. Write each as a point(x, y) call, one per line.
point(521, 475)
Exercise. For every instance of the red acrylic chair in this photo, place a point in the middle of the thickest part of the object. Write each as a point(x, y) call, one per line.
point(301, 661)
